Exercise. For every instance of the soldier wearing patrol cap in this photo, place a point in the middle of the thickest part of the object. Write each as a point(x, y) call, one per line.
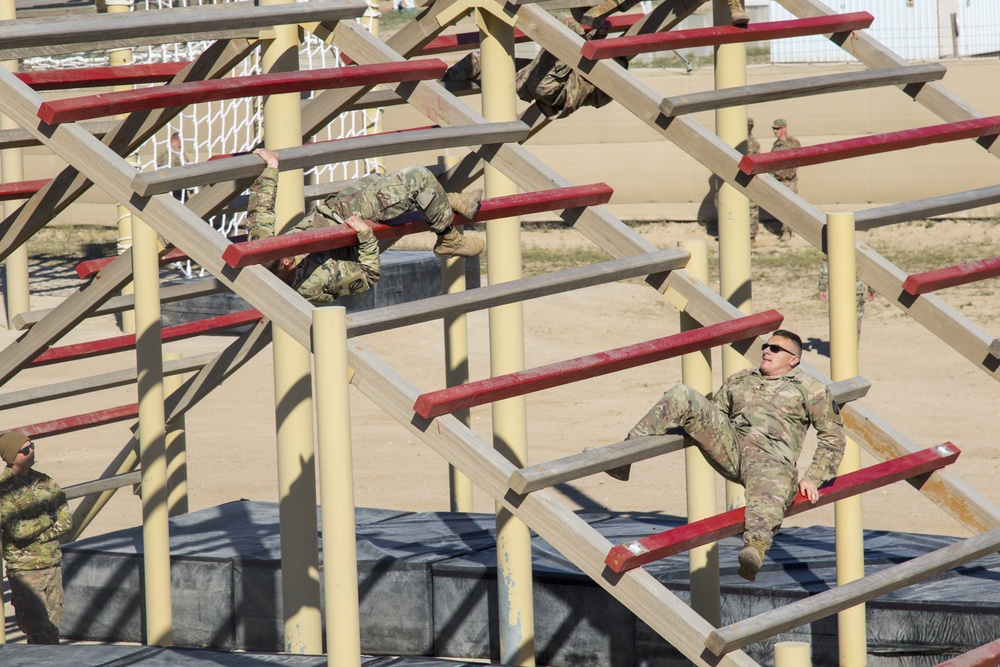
point(788, 177)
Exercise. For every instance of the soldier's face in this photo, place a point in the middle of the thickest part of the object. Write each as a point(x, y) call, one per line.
point(777, 358)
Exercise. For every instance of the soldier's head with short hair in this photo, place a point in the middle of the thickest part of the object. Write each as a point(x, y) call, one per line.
point(781, 353)
point(780, 127)
point(749, 123)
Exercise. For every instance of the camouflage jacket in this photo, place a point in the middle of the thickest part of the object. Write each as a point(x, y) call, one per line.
point(781, 145)
point(781, 410)
point(861, 291)
point(320, 276)
point(33, 514)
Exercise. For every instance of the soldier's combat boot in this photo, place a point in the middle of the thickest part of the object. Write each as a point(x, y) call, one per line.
point(466, 204)
point(786, 234)
point(751, 559)
point(453, 244)
point(595, 16)
point(739, 15)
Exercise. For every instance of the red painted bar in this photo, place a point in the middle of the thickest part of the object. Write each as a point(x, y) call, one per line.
point(871, 145)
point(80, 422)
point(445, 401)
point(631, 45)
point(950, 276)
point(182, 94)
point(121, 343)
point(95, 77)
point(340, 236)
point(987, 655)
point(624, 557)
point(21, 189)
point(91, 267)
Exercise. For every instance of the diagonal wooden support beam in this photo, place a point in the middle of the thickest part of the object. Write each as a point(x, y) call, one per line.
point(716, 35)
point(451, 399)
point(624, 557)
point(736, 636)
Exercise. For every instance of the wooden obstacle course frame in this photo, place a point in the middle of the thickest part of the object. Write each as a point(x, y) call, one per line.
point(951, 276)
point(631, 555)
point(96, 77)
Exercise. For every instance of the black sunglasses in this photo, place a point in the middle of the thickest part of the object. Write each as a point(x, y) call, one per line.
point(26, 449)
point(775, 348)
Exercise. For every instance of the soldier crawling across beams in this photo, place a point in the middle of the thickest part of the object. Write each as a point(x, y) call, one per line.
point(751, 433)
point(321, 277)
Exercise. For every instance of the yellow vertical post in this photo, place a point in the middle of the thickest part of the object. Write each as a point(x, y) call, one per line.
point(336, 480)
point(293, 385)
point(177, 479)
point(510, 430)
point(734, 208)
point(12, 166)
point(852, 632)
point(152, 435)
point(696, 372)
point(456, 352)
point(124, 217)
point(792, 654)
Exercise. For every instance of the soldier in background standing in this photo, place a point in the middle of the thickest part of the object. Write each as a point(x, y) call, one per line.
point(753, 147)
point(33, 514)
point(862, 292)
point(788, 177)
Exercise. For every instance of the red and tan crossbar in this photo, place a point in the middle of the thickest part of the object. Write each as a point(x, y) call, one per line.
point(80, 422)
point(127, 342)
point(987, 655)
point(631, 555)
point(21, 189)
point(183, 94)
point(631, 45)
point(870, 145)
point(95, 77)
point(238, 255)
point(950, 276)
point(91, 267)
point(444, 401)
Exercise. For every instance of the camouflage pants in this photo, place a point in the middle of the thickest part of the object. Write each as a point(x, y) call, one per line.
point(383, 198)
point(769, 481)
point(37, 596)
point(793, 185)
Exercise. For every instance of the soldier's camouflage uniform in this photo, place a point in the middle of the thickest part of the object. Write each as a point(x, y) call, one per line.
point(323, 276)
point(861, 291)
point(788, 177)
point(33, 514)
point(753, 147)
point(752, 432)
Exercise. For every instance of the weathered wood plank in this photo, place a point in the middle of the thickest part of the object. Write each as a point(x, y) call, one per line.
point(826, 603)
point(74, 491)
point(680, 105)
point(922, 209)
point(18, 138)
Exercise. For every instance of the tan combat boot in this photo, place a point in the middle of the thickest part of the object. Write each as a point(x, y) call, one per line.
point(740, 17)
point(453, 244)
point(466, 204)
point(595, 16)
point(751, 559)
point(786, 234)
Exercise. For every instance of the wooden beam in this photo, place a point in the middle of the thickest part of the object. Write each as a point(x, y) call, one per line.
point(680, 105)
point(91, 267)
point(716, 35)
point(86, 107)
point(51, 392)
point(951, 276)
point(759, 163)
point(46, 36)
point(97, 77)
point(18, 138)
point(451, 399)
point(921, 209)
point(340, 236)
point(338, 150)
point(600, 459)
point(624, 557)
point(826, 603)
point(75, 491)
point(448, 305)
point(987, 655)
point(80, 422)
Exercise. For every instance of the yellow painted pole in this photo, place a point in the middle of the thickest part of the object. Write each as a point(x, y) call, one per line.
point(792, 654)
point(293, 386)
point(456, 353)
point(696, 372)
point(17, 295)
point(336, 480)
point(177, 478)
point(852, 631)
point(510, 429)
point(124, 216)
point(152, 435)
point(734, 208)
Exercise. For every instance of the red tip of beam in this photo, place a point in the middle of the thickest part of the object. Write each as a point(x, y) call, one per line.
point(445, 401)
point(21, 189)
point(623, 557)
point(80, 422)
point(238, 255)
point(95, 77)
point(870, 145)
point(92, 267)
point(191, 92)
point(950, 276)
point(682, 39)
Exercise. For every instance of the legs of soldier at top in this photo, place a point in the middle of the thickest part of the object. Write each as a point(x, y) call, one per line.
point(770, 489)
point(740, 18)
